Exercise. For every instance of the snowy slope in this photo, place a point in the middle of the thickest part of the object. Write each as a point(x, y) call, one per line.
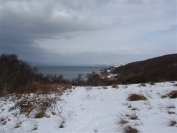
point(99, 110)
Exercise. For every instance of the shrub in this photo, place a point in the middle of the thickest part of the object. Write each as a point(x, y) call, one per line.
point(93, 79)
point(135, 80)
point(136, 97)
point(15, 74)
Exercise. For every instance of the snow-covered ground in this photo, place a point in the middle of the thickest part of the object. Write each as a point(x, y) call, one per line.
point(97, 110)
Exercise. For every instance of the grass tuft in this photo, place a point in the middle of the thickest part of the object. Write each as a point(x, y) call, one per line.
point(172, 123)
point(142, 84)
point(122, 121)
point(18, 124)
point(40, 114)
point(171, 112)
point(133, 117)
point(114, 86)
point(136, 97)
point(130, 129)
point(152, 83)
point(104, 87)
point(173, 94)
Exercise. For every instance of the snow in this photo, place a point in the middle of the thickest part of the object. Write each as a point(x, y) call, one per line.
point(98, 110)
point(112, 75)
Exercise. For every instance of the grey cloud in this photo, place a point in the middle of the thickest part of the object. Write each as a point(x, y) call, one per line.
point(102, 58)
point(135, 1)
point(43, 22)
point(23, 24)
point(140, 2)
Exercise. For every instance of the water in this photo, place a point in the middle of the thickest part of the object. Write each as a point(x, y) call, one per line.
point(69, 72)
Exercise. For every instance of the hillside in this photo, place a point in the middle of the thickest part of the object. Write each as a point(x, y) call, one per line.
point(133, 108)
point(163, 68)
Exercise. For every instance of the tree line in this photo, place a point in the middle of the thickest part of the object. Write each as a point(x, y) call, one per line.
point(15, 73)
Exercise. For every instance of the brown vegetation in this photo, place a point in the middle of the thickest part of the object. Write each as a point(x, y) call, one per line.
point(130, 129)
point(173, 94)
point(43, 88)
point(157, 69)
point(136, 97)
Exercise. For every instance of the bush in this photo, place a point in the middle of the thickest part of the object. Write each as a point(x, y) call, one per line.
point(14, 73)
point(18, 76)
point(135, 80)
point(136, 97)
point(93, 79)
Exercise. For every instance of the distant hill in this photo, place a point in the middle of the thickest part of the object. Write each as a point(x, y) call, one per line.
point(163, 68)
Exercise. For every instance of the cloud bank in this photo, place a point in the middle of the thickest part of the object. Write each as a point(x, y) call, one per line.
point(87, 32)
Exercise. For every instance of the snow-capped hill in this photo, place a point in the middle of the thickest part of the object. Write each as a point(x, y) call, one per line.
point(162, 68)
point(119, 64)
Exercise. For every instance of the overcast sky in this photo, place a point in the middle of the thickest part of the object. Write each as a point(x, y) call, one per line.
point(88, 31)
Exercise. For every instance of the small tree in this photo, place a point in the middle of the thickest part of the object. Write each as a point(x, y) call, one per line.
point(93, 79)
point(14, 73)
point(79, 80)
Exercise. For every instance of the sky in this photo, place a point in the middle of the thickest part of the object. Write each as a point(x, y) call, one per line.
point(81, 32)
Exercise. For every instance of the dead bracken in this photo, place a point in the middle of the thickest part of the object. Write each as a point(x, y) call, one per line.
point(136, 97)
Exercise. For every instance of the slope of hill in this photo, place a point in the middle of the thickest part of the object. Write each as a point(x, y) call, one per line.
point(163, 68)
point(94, 110)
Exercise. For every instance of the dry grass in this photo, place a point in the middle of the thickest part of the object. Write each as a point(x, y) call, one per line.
point(171, 112)
point(171, 106)
point(152, 83)
point(122, 121)
point(172, 123)
point(114, 86)
point(18, 124)
point(3, 93)
point(104, 87)
point(43, 88)
point(142, 84)
point(130, 129)
point(62, 124)
point(133, 117)
point(35, 128)
point(173, 94)
point(88, 88)
point(136, 97)
point(40, 114)
point(134, 109)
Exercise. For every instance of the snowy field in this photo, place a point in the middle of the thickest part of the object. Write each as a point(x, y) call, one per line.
point(96, 110)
